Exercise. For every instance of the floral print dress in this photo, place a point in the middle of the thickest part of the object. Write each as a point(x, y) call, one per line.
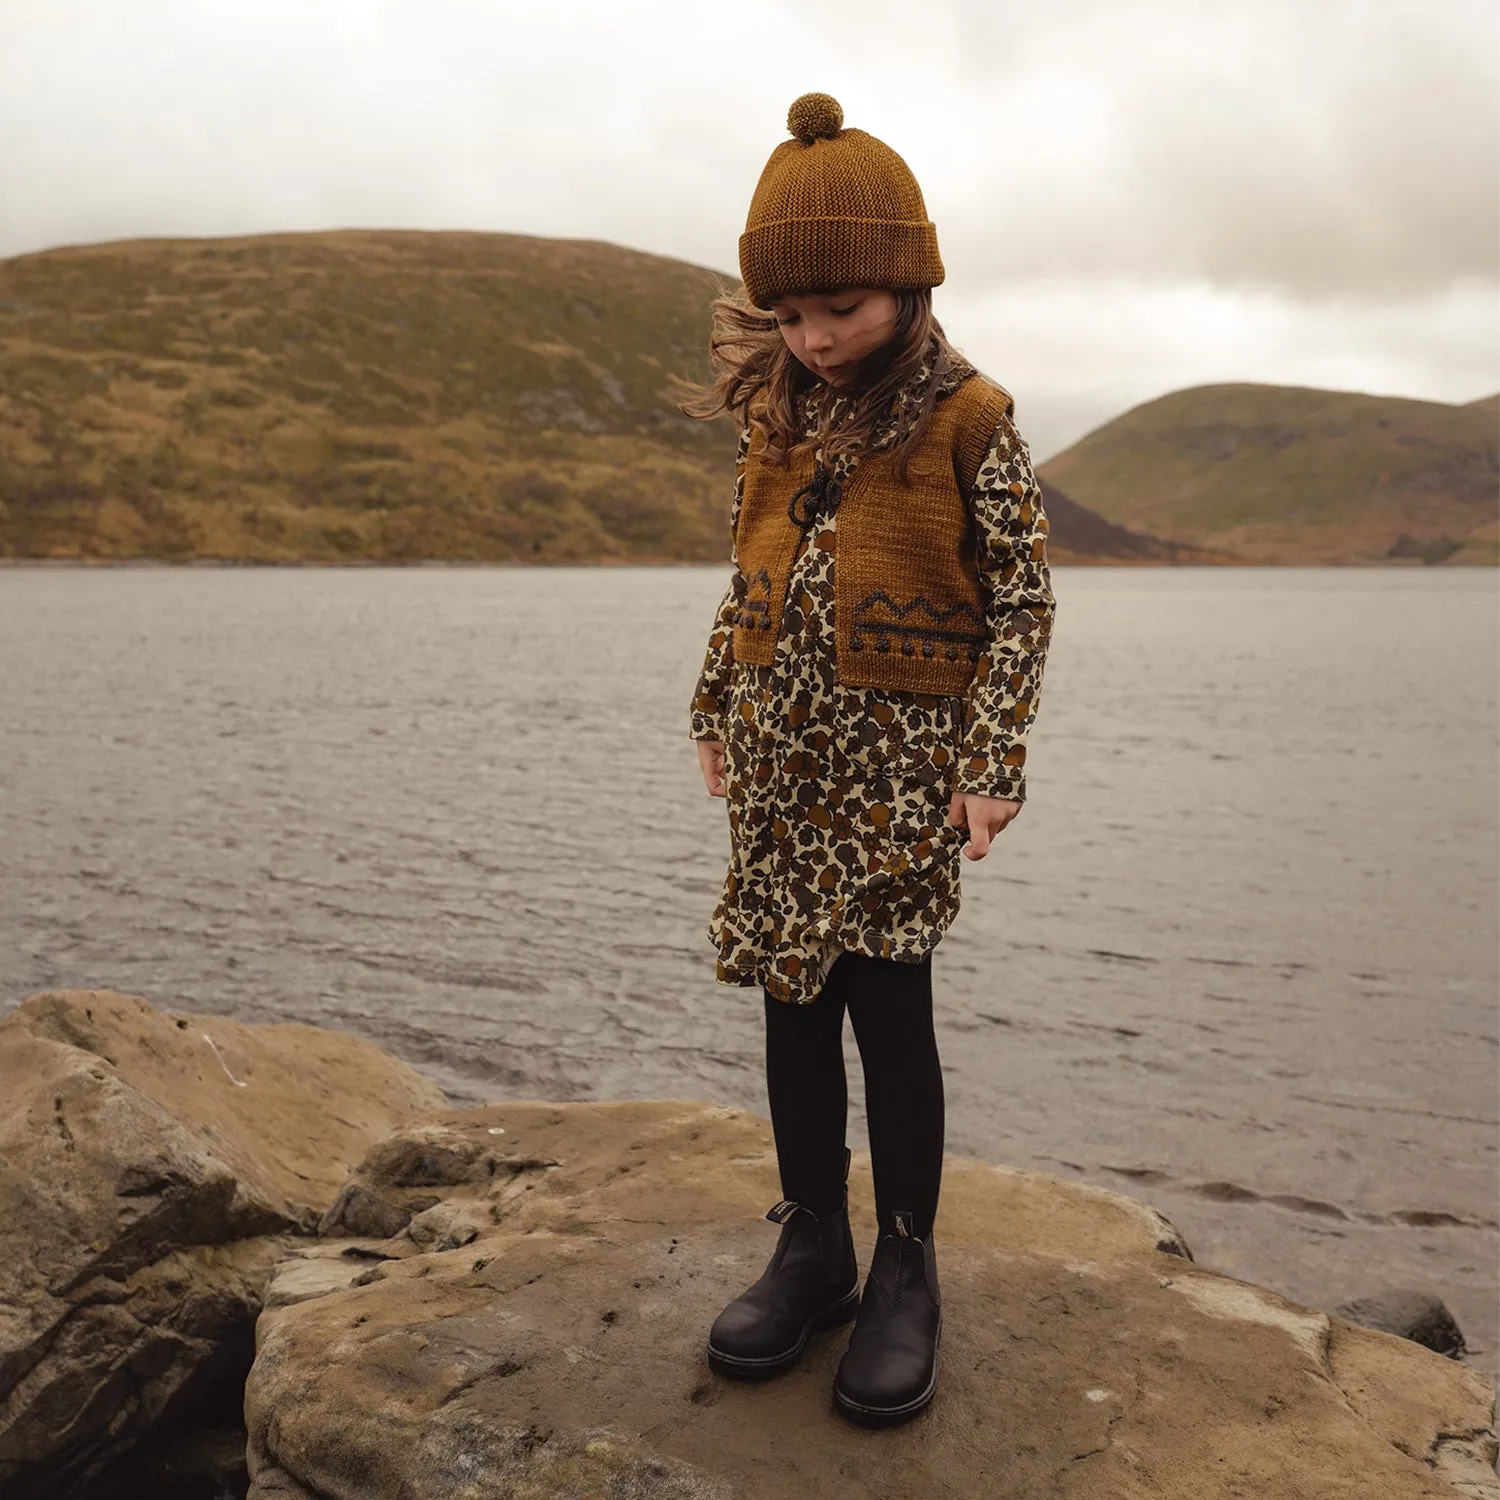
point(838, 797)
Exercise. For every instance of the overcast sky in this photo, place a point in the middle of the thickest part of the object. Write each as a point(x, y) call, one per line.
point(1131, 195)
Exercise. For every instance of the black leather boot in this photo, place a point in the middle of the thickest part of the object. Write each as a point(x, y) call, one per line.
point(890, 1371)
point(811, 1282)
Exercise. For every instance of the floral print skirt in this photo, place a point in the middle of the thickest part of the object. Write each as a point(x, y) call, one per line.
point(838, 808)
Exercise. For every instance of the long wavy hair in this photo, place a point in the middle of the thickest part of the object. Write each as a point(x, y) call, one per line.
point(757, 380)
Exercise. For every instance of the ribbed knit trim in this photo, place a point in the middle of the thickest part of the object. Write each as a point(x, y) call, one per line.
point(822, 255)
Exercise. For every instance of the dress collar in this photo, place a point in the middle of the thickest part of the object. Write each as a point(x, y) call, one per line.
point(823, 405)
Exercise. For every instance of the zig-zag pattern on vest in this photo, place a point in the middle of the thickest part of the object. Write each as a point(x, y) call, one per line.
point(928, 634)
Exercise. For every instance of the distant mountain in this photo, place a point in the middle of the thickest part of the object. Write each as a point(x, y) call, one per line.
point(372, 396)
point(1279, 474)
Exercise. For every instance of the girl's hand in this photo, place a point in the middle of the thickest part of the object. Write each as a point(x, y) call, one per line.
point(984, 817)
point(711, 763)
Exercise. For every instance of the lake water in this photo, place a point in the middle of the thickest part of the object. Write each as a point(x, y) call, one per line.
point(1238, 956)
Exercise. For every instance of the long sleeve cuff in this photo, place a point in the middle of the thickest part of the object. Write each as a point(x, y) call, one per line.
point(706, 722)
point(992, 762)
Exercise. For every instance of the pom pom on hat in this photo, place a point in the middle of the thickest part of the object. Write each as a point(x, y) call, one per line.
point(815, 117)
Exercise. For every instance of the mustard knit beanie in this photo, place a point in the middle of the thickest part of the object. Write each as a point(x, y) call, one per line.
point(835, 208)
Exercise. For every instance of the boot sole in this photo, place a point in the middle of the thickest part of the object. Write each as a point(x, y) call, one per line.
point(891, 1416)
point(739, 1367)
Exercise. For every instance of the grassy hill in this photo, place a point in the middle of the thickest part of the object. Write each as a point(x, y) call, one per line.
point(355, 395)
point(370, 395)
point(1279, 474)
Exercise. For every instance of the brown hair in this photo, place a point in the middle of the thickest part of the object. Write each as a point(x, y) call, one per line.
point(757, 379)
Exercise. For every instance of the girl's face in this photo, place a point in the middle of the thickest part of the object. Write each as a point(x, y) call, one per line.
point(830, 332)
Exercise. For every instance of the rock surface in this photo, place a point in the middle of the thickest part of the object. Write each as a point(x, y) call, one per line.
point(1409, 1314)
point(559, 1351)
point(151, 1166)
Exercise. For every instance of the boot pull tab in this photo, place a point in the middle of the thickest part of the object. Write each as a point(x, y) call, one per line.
point(782, 1211)
point(903, 1225)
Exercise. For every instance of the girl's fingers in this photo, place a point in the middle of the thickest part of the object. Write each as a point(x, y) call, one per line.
point(956, 815)
point(711, 763)
point(990, 819)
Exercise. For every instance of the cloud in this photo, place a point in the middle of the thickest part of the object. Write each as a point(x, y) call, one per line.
point(1310, 149)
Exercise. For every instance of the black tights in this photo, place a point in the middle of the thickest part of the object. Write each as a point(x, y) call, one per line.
point(890, 1005)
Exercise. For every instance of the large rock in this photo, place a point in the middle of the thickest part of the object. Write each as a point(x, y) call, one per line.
point(555, 1348)
point(150, 1165)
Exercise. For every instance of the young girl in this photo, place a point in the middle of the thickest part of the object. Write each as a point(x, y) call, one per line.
point(870, 679)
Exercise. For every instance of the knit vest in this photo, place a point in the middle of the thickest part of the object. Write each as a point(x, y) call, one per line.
point(909, 613)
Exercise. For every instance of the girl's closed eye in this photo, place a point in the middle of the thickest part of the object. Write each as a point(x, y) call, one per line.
point(843, 312)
